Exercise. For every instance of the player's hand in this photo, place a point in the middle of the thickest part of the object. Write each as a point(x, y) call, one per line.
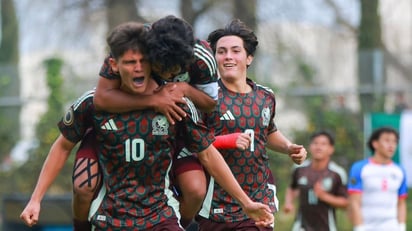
point(288, 208)
point(243, 141)
point(260, 213)
point(297, 153)
point(318, 189)
point(168, 98)
point(30, 214)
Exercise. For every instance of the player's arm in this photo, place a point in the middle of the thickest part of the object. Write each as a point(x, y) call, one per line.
point(290, 197)
point(235, 140)
point(217, 168)
point(203, 77)
point(402, 210)
point(336, 201)
point(109, 97)
point(58, 154)
point(355, 209)
point(202, 100)
point(279, 143)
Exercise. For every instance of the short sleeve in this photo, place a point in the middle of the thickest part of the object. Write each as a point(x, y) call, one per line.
point(78, 118)
point(106, 70)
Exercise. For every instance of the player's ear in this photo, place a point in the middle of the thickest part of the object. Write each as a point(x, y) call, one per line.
point(249, 60)
point(113, 64)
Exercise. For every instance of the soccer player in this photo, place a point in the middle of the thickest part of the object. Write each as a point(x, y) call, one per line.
point(247, 107)
point(320, 185)
point(176, 56)
point(377, 186)
point(188, 65)
point(135, 160)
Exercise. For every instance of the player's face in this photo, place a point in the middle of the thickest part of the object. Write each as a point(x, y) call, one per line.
point(167, 74)
point(134, 71)
point(386, 145)
point(320, 148)
point(232, 58)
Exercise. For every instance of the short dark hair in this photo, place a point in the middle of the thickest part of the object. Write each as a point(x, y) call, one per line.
point(127, 36)
point(170, 43)
point(376, 134)
point(325, 134)
point(236, 28)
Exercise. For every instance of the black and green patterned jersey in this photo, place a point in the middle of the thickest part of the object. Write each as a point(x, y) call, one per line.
point(314, 214)
point(135, 151)
point(253, 113)
point(201, 73)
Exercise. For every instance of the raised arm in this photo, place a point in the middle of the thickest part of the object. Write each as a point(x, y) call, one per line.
point(58, 154)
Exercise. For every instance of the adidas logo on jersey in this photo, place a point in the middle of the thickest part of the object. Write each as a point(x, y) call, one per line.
point(227, 116)
point(109, 125)
point(184, 153)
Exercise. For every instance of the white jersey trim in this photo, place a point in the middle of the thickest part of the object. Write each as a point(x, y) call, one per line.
point(205, 55)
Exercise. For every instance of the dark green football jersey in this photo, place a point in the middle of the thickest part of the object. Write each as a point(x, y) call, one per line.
point(253, 113)
point(135, 152)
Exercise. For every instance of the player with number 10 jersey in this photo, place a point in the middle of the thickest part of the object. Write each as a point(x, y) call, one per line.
point(136, 149)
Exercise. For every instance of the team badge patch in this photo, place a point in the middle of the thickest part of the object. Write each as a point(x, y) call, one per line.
point(327, 183)
point(184, 77)
point(353, 181)
point(160, 125)
point(68, 117)
point(303, 180)
point(265, 116)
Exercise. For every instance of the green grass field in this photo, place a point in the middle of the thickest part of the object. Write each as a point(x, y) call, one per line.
point(283, 222)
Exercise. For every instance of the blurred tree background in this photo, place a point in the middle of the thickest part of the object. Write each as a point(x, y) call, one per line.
point(9, 79)
point(302, 85)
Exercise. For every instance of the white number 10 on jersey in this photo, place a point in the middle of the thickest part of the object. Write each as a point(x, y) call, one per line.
point(134, 149)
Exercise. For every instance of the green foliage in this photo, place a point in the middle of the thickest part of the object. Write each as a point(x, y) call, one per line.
point(307, 72)
point(9, 43)
point(10, 124)
point(47, 132)
point(369, 28)
point(346, 127)
point(9, 78)
point(8, 134)
point(347, 130)
point(369, 47)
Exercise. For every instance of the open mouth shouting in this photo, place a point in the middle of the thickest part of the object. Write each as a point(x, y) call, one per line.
point(138, 81)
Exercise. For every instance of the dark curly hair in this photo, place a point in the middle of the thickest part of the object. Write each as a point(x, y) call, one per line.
point(236, 28)
point(376, 134)
point(126, 36)
point(170, 43)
